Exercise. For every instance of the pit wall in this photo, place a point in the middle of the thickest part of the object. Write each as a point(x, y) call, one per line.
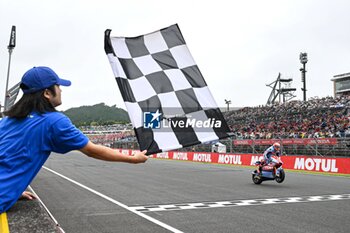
point(305, 163)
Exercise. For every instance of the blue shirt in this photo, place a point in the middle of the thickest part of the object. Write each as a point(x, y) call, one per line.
point(26, 144)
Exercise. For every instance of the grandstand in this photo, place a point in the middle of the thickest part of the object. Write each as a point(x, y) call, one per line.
point(107, 135)
point(299, 126)
point(317, 118)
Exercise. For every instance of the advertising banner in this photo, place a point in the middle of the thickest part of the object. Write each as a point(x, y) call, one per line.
point(292, 141)
point(305, 163)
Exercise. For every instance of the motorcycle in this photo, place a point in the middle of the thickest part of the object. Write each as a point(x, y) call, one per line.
point(271, 171)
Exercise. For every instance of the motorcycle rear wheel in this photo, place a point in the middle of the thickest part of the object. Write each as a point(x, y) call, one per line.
point(256, 179)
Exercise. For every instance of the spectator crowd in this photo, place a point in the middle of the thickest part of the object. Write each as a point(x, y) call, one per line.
point(315, 118)
point(109, 134)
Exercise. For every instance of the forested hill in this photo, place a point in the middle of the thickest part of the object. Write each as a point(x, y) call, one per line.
point(99, 114)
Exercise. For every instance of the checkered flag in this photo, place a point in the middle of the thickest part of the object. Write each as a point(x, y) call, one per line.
point(167, 98)
point(11, 95)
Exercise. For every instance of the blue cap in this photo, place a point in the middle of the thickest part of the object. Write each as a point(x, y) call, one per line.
point(40, 78)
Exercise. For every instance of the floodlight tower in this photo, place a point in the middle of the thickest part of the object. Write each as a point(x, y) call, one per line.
point(228, 102)
point(303, 60)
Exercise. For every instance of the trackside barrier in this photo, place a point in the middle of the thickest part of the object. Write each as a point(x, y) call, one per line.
point(306, 163)
point(293, 141)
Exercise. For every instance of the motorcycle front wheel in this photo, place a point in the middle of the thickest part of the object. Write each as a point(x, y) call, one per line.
point(280, 178)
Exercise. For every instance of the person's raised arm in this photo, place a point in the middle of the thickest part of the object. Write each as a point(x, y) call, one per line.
point(105, 153)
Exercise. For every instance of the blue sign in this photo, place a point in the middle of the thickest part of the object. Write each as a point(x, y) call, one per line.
point(151, 120)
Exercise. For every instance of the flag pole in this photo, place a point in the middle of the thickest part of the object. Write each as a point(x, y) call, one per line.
point(10, 48)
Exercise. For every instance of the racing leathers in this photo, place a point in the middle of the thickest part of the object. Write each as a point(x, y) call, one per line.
point(269, 152)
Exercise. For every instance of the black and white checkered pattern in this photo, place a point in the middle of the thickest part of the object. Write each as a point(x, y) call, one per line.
point(11, 96)
point(202, 205)
point(157, 72)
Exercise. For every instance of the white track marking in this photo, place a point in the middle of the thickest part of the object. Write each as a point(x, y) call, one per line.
point(155, 221)
point(46, 209)
point(238, 203)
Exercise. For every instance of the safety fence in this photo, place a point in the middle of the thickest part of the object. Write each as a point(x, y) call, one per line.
point(296, 146)
point(304, 163)
point(330, 147)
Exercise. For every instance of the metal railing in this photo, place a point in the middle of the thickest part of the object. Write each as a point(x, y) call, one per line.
point(341, 149)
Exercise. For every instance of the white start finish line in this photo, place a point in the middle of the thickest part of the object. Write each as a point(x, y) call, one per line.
point(238, 203)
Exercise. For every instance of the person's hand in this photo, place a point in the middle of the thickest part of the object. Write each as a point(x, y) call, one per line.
point(140, 157)
point(27, 195)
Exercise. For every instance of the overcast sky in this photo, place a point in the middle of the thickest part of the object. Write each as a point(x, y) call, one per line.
point(239, 46)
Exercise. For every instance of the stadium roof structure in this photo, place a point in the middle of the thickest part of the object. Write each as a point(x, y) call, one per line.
point(340, 76)
point(278, 91)
point(341, 84)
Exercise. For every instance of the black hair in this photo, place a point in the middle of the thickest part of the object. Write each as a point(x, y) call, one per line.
point(31, 102)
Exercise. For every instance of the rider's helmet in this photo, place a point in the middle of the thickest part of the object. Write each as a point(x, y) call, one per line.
point(277, 146)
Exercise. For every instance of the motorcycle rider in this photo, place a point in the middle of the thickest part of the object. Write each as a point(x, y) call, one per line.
point(272, 150)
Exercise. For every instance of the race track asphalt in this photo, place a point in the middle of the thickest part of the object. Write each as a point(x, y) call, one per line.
point(87, 195)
